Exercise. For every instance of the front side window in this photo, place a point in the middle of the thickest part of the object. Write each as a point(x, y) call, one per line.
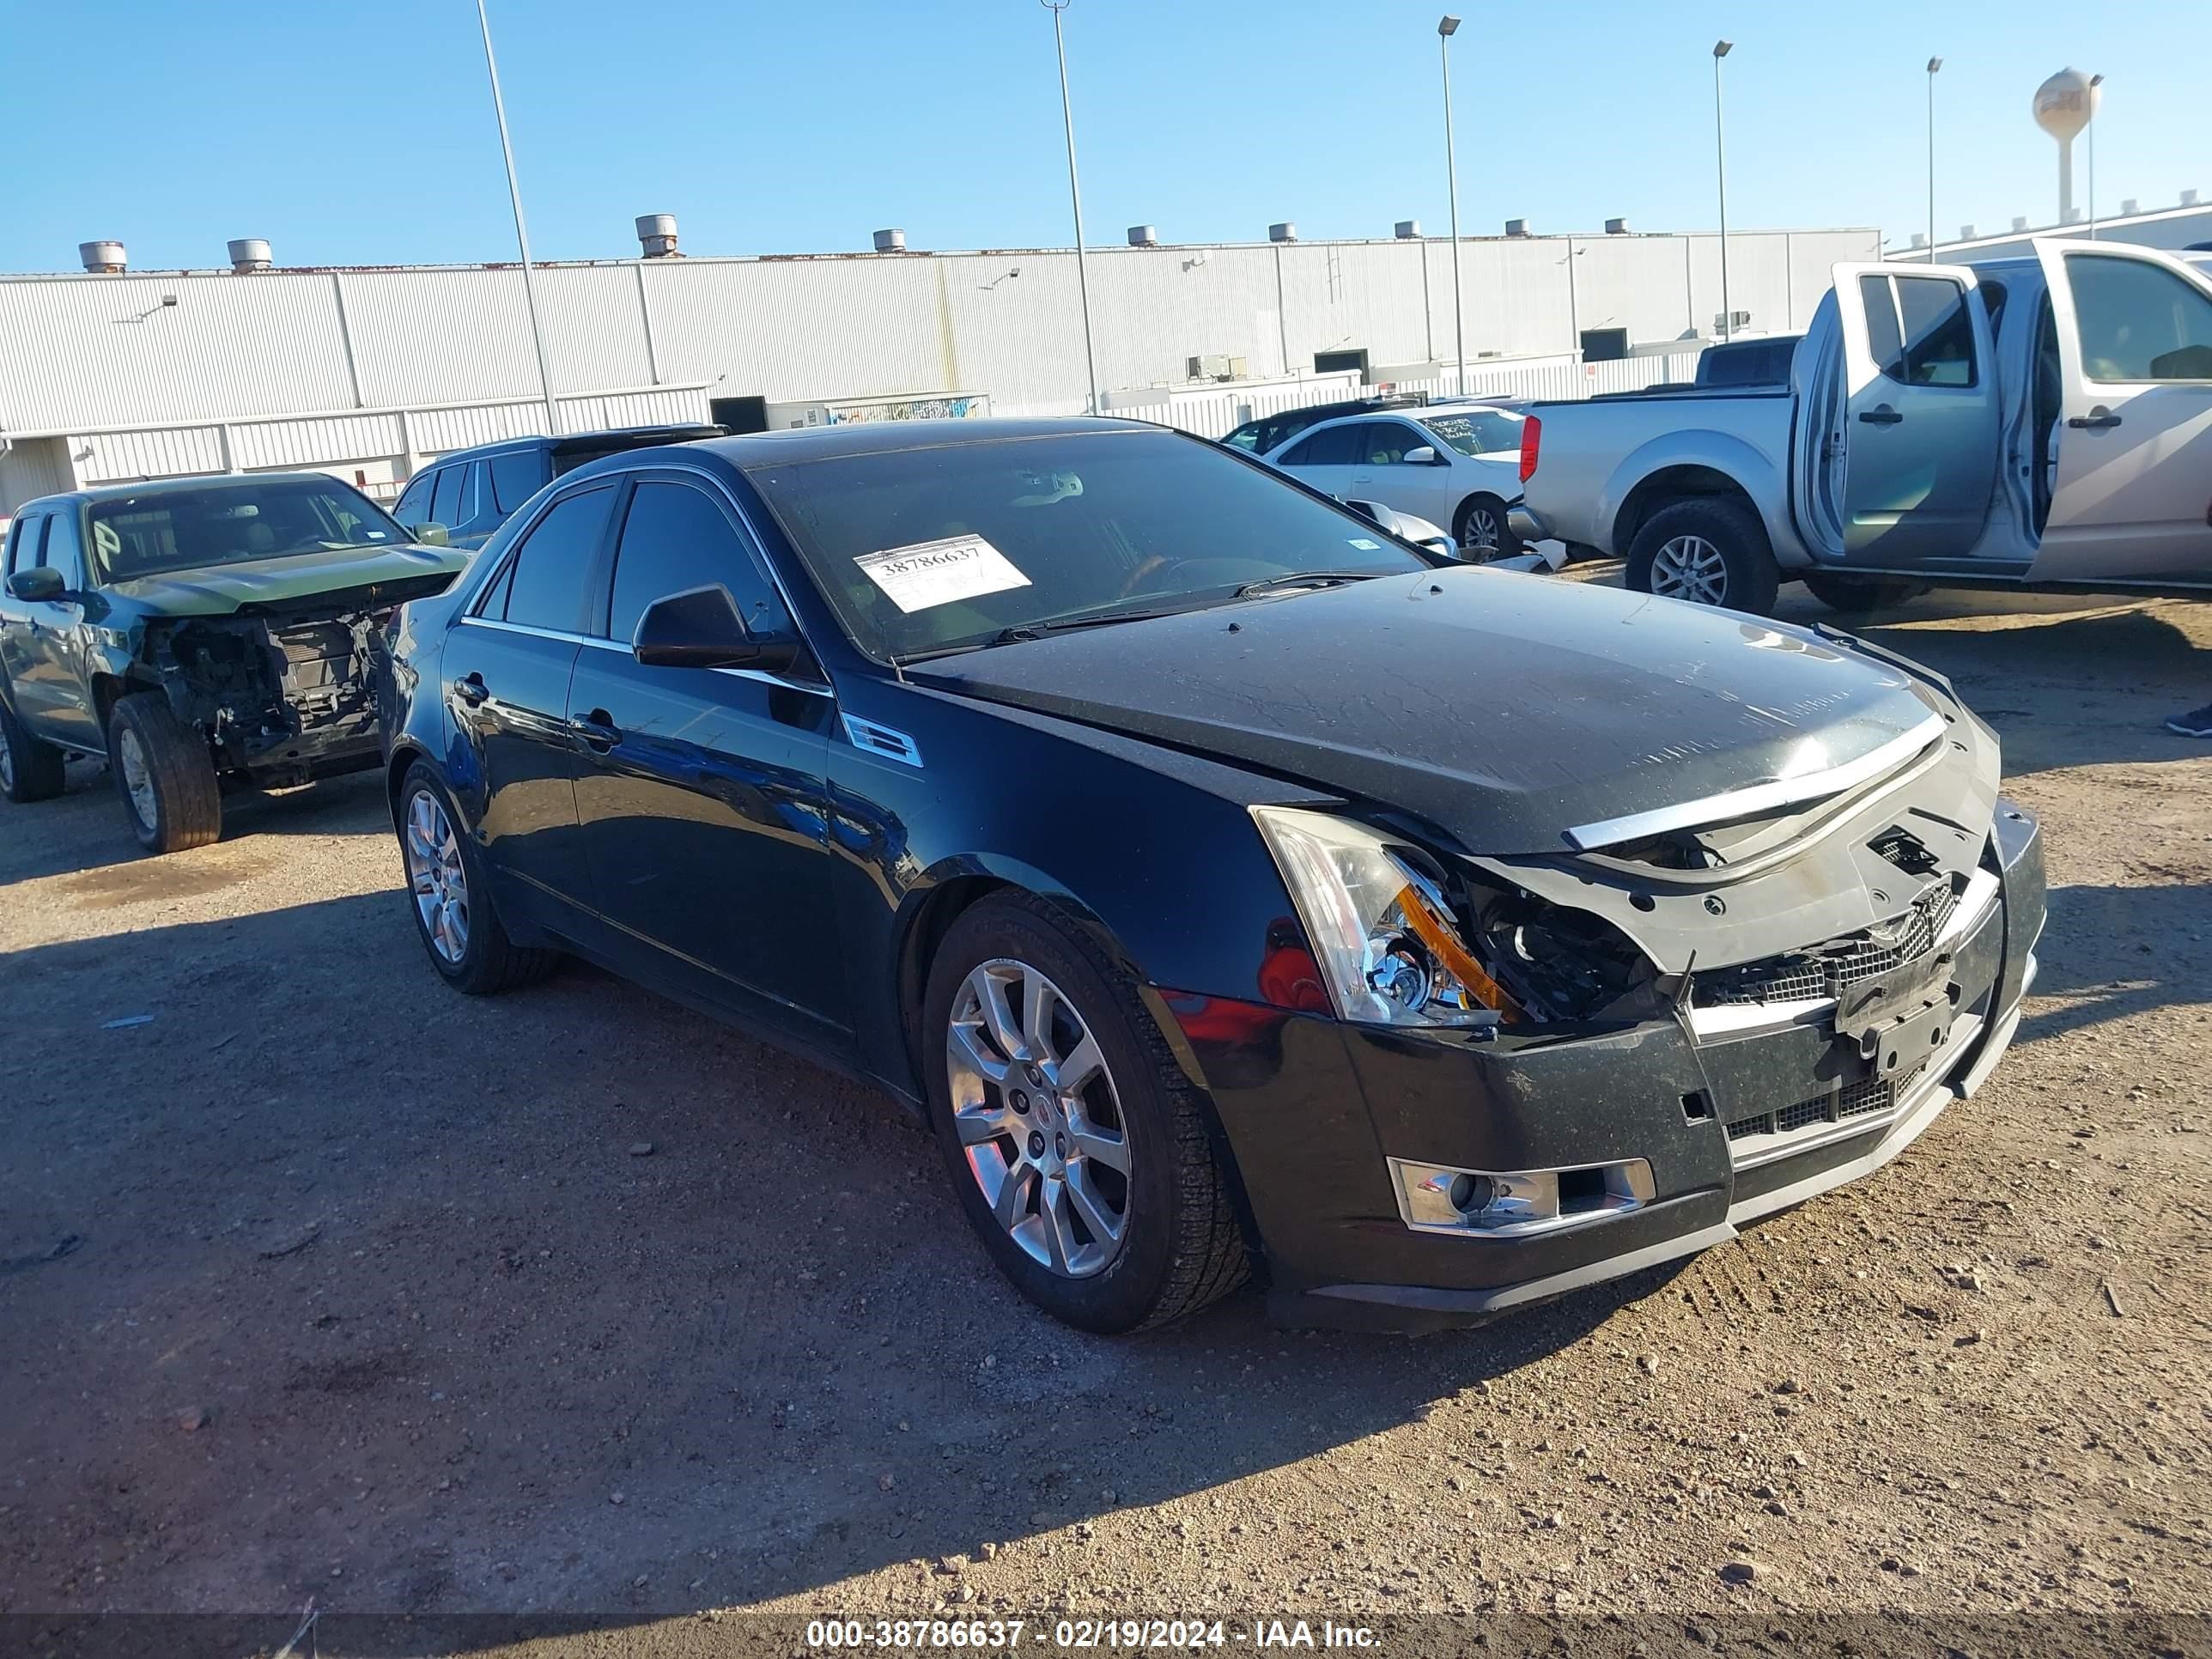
point(1919, 330)
point(169, 528)
point(2137, 322)
point(674, 537)
point(65, 549)
point(414, 504)
point(1333, 446)
point(1387, 443)
point(548, 575)
point(937, 549)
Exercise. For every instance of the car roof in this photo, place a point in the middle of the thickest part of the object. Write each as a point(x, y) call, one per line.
point(570, 443)
point(753, 450)
point(241, 482)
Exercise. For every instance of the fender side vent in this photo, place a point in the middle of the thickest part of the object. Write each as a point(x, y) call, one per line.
point(875, 739)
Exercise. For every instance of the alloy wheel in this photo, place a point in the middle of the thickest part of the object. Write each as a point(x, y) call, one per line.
point(437, 877)
point(137, 778)
point(1039, 1118)
point(1483, 530)
point(1690, 567)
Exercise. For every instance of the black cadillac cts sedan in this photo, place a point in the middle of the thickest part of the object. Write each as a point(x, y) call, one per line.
point(1234, 888)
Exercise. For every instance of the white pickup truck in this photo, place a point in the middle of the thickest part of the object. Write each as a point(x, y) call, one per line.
point(2043, 420)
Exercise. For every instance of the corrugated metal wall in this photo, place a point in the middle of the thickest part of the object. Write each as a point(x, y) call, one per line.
point(103, 352)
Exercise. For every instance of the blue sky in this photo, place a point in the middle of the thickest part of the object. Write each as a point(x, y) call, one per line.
point(363, 135)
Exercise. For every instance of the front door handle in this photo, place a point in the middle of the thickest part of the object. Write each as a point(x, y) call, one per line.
point(597, 730)
point(471, 689)
point(1881, 415)
point(2097, 420)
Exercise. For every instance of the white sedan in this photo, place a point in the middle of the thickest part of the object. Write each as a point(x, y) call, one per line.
point(1459, 466)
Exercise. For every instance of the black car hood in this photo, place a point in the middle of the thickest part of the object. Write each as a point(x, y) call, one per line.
point(1504, 710)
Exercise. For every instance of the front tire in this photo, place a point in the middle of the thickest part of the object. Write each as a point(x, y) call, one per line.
point(164, 773)
point(30, 770)
point(1711, 551)
point(451, 900)
point(1078, 1149)
point(1483, 527)
point(1856, 595)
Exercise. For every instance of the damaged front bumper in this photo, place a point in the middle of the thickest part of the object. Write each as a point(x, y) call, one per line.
point(1605, 1152)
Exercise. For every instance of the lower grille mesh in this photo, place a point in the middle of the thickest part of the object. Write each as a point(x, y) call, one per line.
point(1825, 969)
point(1858, 1099)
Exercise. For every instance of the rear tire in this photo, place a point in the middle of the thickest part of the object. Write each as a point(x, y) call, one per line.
point(1088, 1126)
point(30, 768)
point(449, 897)
point(1708, 551)
point(1481, 524)
point(164, 775)
point(1856, 595)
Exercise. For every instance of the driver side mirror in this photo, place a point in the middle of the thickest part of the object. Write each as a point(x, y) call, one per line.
point(37, 585)
point(429, 535)
point(1422, 455)
point(700, 628)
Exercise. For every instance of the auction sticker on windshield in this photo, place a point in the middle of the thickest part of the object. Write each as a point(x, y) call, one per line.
point(925, 574)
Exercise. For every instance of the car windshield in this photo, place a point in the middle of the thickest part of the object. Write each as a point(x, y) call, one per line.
point(1484, 432)
point(953, 544)
point(227, 524)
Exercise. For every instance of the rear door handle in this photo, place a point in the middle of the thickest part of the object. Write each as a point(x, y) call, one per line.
point(1882, 414)
point(471, 689)
point(597, 730)
point(2097, 420)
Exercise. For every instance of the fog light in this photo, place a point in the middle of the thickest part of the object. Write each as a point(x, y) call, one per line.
point(1436, 1198)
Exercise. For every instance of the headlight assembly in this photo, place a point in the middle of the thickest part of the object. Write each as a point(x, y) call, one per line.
point(1381, 931)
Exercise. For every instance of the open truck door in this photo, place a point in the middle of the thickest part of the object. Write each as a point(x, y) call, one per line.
point(1912, 438)
point(2123, 415)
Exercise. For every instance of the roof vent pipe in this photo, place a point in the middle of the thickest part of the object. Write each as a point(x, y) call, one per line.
point(249, 254)
point(104, 257)
point(1408, 230)
point(1143, 236)
point(1616, 227)
point(890, 241)
point(656, 235)
point(1285, 232)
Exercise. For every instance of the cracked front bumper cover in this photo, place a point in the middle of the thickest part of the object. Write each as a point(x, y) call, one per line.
point(1314, 1110)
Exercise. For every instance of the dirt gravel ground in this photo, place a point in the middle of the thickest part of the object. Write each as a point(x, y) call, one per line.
point(324, 1282)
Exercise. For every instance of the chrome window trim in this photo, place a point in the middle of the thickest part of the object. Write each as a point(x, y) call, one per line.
point(1758, 797)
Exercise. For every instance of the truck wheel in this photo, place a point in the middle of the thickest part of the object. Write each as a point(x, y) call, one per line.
point(1078, 1149)
point(162, 770)
point(452, 901)
point(1709, 551)
point(1856, 595)
point(29, 769)
point(1481, 525)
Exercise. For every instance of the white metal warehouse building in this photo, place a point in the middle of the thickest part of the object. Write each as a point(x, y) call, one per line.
point(111, 377)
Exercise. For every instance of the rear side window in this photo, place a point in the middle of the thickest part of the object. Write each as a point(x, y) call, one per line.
point(1333, 446)
point(2137, 322)
point(1919, 330)
point(446, 497)
point(551, 569)
point(675, 538)
point(515, 478)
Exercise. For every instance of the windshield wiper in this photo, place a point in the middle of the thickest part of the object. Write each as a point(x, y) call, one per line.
point(1017, 632)
point(1299, 579)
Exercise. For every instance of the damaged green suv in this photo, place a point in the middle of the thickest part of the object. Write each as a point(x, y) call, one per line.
point(203, 635)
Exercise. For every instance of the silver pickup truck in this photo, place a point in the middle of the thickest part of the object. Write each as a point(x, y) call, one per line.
point(2043, 420)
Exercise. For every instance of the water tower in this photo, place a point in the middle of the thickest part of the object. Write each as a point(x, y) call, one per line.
point(2064, 107)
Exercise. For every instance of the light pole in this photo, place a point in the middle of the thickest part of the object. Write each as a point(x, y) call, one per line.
point(1720, 49)
point(521, 234)
point(1934, 65)
point(1447, 26)
point(1075, 197)
point(2095, 81)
